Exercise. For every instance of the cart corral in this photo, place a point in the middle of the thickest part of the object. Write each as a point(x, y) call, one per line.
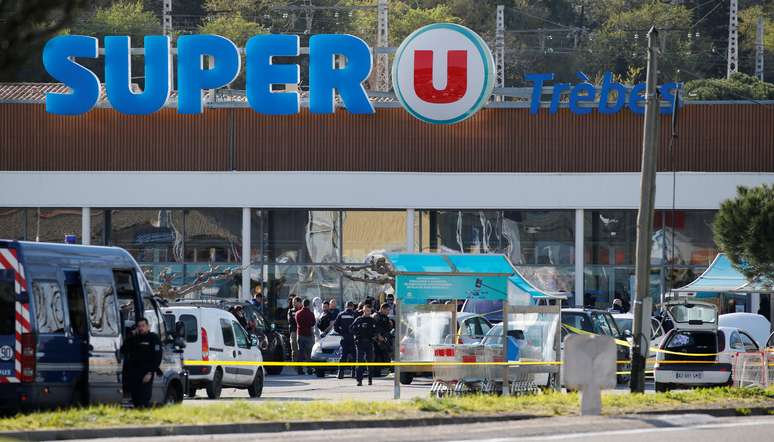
point(520, 355)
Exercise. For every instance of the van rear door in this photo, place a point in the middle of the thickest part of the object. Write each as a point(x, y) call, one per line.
point(104, 336)
point(7, 327)
point(693, 315)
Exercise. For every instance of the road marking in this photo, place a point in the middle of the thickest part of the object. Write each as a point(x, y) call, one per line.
point(768, 422)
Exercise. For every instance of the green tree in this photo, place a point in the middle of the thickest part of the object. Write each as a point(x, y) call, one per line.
point(744, 231)
point(232, 26)
point(621, 42)
point(739, 87)
point(404, 19)
point(123, 17)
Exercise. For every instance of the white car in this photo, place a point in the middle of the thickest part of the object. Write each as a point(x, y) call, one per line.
point(754, 324)
point(213, 334)
point(696, 352)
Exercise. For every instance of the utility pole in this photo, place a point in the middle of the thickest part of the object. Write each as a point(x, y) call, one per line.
point(759, 49)
point(500, 50)
point(382, 42)
point(166, 17)
point(733, 38)
point(643, 302)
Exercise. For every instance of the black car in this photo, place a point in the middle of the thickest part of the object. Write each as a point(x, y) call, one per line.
point(273, 344)
point(599, 322)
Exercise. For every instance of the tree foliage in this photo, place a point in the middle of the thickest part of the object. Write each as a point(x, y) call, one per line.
point(739, 87)
point(234, 27)
point(124, 17)
point(744, 230)
point(403, 20)
point(25, 27)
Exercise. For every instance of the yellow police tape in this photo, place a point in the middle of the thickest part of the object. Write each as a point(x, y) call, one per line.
point(626, 344)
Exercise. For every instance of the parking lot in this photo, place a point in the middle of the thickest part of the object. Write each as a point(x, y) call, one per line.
point(292, 387)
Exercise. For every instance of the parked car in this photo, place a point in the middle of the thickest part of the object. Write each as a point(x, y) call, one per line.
point(213, 334)
point(273, 344)
point(67, 309)
point(599, 322)
point(754, 324)
point(471, 329)
point(697, 351)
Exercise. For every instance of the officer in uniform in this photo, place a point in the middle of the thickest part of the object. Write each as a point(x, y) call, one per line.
point(142, 359)
point(364, 329)
point(384, 326)
point(341, 325)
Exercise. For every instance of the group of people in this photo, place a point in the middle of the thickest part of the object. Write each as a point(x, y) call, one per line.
point(366, 335)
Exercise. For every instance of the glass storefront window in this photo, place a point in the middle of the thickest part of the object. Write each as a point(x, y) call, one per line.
point(685, 237)
point(13, 223)
point(539, 237)
point(610, 237)
point(51, 224)
point(367, 232)
point(302, 236)
point(307, 281)
point(213, 235)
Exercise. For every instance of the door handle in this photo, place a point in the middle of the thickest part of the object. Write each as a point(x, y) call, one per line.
point(234, 353)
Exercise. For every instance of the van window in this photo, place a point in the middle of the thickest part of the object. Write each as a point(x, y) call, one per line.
point(49, 309)
point(7, 303)
point(735, 341)
point(228, 333)
point(191, 327)
point(102, 309)
point(749, 344)
point(241, 337)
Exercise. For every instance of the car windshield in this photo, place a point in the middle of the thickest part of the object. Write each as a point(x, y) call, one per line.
point(486, 308)
point(685, 313)
point(494, 337)
point(578, 321)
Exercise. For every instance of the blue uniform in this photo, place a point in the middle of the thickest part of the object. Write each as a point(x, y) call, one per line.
point(342, 323)
point(364, 328)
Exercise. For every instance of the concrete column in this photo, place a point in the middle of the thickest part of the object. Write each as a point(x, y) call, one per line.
point(86, 226)
point(246, 255)
point(755, 302)
point(409, 230)
point(579, 258)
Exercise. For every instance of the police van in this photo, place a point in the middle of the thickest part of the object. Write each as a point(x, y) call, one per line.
point(214, 335)
point(65, 311)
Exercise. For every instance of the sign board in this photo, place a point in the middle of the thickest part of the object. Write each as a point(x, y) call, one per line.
point(443, 73)
point(420, 289)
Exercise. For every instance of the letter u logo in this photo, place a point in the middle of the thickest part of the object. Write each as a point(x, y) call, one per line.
point(456, 77)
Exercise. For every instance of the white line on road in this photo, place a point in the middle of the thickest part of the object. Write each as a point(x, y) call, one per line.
point(767, 422)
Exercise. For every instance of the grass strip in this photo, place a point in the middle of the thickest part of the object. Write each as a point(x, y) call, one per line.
point(546, 404)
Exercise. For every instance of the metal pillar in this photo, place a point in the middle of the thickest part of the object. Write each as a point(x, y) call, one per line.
point(86, 226)
point(410, 216)
point(246, 255)
point(166, 17)
point(733, 38)
point(382, 42)
point(759, 49)
point(579, 258)
point(500, 50)
point(643, 303)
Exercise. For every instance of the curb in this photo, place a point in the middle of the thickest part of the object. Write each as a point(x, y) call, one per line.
point(279, 427)
point(258, 427)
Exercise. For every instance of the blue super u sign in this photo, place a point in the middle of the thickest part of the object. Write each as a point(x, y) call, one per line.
point(193, 78)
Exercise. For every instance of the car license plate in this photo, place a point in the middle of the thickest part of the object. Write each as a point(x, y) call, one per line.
point(689, 375)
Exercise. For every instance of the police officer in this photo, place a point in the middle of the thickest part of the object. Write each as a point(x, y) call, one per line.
point(364, 329)
point(383, 341)
point(341, 325)
point(142, 359)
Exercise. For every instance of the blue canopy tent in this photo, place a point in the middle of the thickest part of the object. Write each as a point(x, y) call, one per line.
point(722, 277)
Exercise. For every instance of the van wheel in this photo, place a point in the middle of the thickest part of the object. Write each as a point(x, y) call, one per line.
point(256, 389)
point(174, 395)
point(406, 378)
point(662, 387)
point(214, 387)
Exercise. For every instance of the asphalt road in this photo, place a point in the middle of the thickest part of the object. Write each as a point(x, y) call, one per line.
point(291, 387)
point(683, 428)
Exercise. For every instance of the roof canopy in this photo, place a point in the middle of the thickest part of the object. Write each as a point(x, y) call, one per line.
point(437, 272)
point(722, 277)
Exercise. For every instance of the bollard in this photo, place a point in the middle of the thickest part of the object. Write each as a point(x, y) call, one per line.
point(590, 366)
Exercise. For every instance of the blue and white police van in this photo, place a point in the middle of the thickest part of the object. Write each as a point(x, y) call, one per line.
point(65, 311)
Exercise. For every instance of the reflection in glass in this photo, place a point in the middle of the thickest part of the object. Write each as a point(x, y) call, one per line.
point(369, 232)
point(51, 225)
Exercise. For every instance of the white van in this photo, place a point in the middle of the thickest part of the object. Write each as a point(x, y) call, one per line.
point(213, 334)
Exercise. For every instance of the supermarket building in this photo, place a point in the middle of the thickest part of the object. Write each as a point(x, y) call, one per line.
point(296, 198)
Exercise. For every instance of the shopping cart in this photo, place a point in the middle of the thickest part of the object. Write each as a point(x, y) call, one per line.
point(472, 374)
point(447, 372)
point(521, 379)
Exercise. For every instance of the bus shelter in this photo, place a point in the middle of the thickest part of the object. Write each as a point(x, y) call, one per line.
point(428, 288)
